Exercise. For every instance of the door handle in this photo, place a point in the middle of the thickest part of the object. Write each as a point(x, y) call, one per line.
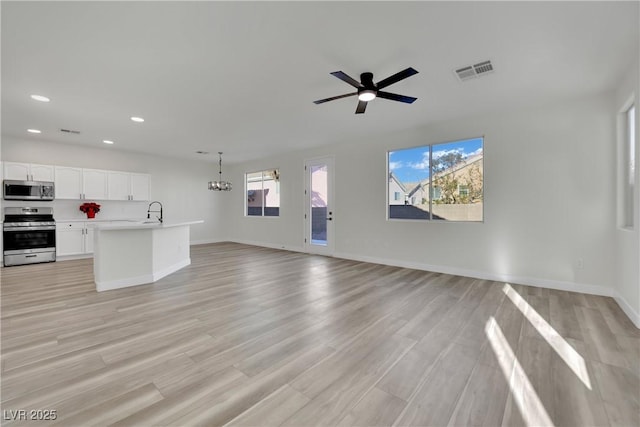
point(30, 256)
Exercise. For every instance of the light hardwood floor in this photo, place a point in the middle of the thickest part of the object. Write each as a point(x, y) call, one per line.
point(255, 336)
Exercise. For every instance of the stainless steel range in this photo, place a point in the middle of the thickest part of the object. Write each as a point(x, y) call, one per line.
point(29, 236)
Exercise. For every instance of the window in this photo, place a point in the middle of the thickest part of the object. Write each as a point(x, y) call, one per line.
point(629, 166)
point(396, 196)
point(436, 193)
point(263, 193)
point(444, 181)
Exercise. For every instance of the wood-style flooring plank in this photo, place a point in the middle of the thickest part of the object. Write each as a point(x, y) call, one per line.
point(257, 336)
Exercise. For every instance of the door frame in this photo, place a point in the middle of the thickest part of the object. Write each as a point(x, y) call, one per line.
point(327, 250)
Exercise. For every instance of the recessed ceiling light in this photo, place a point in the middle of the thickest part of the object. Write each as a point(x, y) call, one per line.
point(40, 98)
point(106, 141)
point(34, 131)
point(137, 119)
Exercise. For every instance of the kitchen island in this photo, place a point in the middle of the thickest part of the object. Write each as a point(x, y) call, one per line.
point(134, 253)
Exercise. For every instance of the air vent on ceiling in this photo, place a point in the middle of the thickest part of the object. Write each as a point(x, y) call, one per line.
point(202, 152)
point(473, 71)
point(75, 132)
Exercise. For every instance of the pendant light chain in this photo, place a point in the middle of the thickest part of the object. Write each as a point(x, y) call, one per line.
point(220, 185)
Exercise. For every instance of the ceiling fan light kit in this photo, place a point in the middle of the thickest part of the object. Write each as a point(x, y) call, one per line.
point(367, 90)
point(367, 95)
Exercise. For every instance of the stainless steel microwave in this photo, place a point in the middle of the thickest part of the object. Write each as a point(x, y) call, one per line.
point(28, 190)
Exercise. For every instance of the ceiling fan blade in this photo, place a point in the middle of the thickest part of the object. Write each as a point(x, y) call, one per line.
point(396, 97)
point(345, 78)
point(397, 77)
point(320, 101)
point(362, 105)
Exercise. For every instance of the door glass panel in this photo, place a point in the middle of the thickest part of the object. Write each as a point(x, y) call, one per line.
point(319, 185)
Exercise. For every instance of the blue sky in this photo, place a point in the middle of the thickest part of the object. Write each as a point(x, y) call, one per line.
point(412, 164)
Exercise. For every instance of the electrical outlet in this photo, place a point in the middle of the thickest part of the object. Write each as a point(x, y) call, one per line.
point(580, 263)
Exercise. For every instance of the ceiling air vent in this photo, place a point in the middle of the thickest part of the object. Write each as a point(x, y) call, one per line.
point(75, 132)
point(473, 71)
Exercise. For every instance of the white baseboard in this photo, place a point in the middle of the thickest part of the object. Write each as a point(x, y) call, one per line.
point(207, 241)
point(628, 310)
point(485, 275)
point(124, 283)
point(143, 279)
point(269, 245)
point(73, 257)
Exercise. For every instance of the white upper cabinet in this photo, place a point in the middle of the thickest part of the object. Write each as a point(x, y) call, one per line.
point(68, 182)
point(28, 171)
point(140, 186)
point(128, 186)
point(42, 172)
point(118, 185)
point(83, 184)
point(17, 171)
point(94, 184)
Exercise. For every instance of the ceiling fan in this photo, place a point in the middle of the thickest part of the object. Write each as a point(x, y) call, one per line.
point(368, 90)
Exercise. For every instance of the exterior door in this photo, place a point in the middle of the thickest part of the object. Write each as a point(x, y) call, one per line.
point(319, 207)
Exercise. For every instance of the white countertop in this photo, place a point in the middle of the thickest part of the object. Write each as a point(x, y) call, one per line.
point(143, 224)
point(96, 220)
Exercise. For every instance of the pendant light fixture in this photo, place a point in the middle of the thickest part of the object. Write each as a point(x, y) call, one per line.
point(220, 185)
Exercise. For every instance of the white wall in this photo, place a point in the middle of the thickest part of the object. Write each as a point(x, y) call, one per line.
point(627, 245)
point(549, 200)
point(180, 185)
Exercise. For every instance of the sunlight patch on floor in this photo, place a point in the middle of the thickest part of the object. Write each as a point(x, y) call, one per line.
point(529, 404)
point(574, 361)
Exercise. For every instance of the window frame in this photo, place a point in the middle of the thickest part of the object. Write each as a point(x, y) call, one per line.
point(628, 165)
point(262, 173)
point(430, 185)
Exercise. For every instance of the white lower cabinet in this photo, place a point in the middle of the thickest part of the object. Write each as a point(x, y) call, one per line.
point(74, 238)
point(88, 238)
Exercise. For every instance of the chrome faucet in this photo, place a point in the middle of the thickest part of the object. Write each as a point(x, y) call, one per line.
point(149, 211)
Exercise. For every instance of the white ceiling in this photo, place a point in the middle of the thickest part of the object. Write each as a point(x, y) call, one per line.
point(241, 77)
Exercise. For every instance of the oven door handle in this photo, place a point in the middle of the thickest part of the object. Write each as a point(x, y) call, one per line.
point(35, 228)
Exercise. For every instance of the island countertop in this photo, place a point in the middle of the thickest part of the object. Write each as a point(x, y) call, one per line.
point(134, 225)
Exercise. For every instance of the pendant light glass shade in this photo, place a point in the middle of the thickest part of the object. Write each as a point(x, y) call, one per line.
point(220, 185)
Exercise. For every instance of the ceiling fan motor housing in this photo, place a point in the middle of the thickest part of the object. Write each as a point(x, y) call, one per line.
point(367, 81)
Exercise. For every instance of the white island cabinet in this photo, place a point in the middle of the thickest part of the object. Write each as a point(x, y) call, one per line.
point(137, 253)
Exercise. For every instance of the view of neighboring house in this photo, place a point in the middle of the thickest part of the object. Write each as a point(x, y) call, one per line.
point(263, 193)
point(397, 190)
point(456, 192)
point(460, 184)
point(406, 193)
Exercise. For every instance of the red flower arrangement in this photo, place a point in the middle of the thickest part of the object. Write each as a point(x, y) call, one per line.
point(90, 209)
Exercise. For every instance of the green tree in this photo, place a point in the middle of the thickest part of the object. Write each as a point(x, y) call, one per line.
point(442, 169)
point(473, 182)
